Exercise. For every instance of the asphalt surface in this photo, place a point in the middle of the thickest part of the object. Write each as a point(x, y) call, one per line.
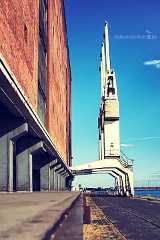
point(136, 219)
point(32, 215)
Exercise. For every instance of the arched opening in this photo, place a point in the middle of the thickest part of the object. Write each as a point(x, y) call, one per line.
point(98, 180)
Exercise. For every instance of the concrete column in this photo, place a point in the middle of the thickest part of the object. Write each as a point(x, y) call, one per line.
point(24, 167)
point(56, 181)
point(63, 179)
point(7, 142)
point(60, 182)
point(52, 181)
point(55, 166)
point(63, 183)
point(57, 176)
point(45, 178)
point(65, 175)
point(61, 172)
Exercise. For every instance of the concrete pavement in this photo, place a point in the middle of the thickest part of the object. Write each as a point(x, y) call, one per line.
point(31, 215)
point(134, 218)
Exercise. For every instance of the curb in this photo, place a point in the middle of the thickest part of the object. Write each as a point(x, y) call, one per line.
point(60, 220)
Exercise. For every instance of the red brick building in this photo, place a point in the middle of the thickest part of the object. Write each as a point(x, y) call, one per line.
point(35, 85)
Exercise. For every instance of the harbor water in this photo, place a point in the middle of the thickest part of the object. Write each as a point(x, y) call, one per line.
point(148, 193)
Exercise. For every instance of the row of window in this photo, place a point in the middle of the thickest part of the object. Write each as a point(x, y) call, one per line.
point(42, 68)
point(42, 61)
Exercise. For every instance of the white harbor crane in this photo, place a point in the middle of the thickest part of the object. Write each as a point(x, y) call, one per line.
point(111, 160)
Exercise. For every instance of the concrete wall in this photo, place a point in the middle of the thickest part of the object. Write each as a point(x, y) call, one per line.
point(19, 31)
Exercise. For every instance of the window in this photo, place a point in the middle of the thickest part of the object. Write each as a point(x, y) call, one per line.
point(25, 33)
point(42, 61)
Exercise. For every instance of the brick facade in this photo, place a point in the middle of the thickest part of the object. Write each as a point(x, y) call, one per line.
point(19, 37)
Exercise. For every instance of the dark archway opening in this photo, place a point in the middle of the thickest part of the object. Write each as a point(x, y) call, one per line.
point(9, 121)
point(39, 159)
point(36, 172)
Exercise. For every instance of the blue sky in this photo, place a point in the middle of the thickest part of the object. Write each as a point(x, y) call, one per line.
point(134, 45)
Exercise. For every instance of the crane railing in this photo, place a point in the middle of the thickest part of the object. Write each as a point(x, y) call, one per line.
point(125, 161)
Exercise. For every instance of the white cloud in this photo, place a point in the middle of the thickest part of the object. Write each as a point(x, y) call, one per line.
point(155, 63)
point(157, 173)
point(127, 145)
point(148, 31)
point(156, 176)
point(146, 138)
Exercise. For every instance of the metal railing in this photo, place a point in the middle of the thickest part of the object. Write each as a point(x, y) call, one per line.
point(125, 161)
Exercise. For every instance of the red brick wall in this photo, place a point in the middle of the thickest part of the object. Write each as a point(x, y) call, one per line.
point(20, 54)
point(20, 49)
point(58, 78)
